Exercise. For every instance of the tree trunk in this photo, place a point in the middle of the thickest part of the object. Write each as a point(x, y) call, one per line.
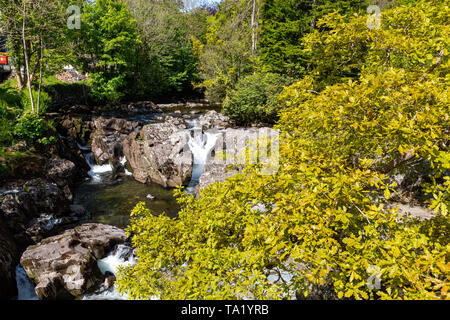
point(41, 56)
point(253, 27)
point(19, 76)
point(25, 53)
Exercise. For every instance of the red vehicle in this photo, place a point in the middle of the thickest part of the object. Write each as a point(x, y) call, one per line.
point(3, 60)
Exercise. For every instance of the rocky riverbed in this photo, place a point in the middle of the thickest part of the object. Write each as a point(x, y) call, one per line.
point(61, 227)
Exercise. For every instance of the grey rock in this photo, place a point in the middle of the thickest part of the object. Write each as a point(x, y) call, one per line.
point(108, 133)
point(232, 144)
point(64, 173)
point(66, 265)
point(33, 199)
point(214, 119)
point(159, 153)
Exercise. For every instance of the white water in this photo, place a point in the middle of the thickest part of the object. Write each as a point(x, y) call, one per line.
point(25, 286)
point(96, 170)
point(123, 162)
point(111, 263)
point(83, 148)
point(201, 144)
point(51, 221)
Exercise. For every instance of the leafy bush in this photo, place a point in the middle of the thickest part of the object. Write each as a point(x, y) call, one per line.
point(6, 136)
point(107, 89)
point(18, 101)
point(10, 109)
point(255, 98)
point(33, 128)
point(61, 91)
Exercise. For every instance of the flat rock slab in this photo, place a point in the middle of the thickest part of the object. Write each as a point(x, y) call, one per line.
point(65, 265)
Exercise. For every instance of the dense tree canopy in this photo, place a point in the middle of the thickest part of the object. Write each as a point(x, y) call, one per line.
point(105, 46)
point(286, 21)
point(165, 63)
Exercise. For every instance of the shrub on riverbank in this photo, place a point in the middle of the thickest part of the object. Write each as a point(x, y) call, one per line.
point(255, 98)
point(16, 118)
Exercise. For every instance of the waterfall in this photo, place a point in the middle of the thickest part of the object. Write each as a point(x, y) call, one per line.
point(25, 286)
point(123, 162)
point(201, 144)
point(96, 170)
point(111, 263)
point(114, 260)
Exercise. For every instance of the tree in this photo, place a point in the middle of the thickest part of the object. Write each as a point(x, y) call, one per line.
point(326, 220)
point(105, 47)
point(255, 98)
point(165, 63)
point(35, 35)
point(230, 49)
point(285, 22)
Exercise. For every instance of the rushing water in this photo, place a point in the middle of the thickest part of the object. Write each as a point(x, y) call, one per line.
point(111, 263)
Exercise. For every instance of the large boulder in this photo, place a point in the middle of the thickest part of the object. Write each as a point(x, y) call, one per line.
point(78, 127)
point(108, 134)
point(64, 174)
point(9, 258)
point(65, 265)
point(230, 146)
point(214, 119)
point(159, 153)
point(68, 148)
point(35, 210)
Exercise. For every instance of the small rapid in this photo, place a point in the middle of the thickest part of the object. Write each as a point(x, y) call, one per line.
point(111, 263)
point(97, 171)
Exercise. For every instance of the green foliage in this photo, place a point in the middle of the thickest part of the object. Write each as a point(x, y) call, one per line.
point(285, 22)
point(33, 128)
point(44, 100)
point(106, 46)
point(255, 98)
point(13, 104)
point(327, 218)
point(6, 136)
point(348, 49)
point(10, 160)
point(225, 54)
point(165, 63)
